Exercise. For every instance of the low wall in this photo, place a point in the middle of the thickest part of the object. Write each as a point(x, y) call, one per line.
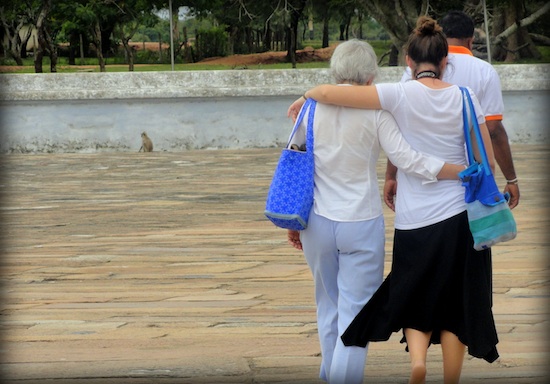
point(202, 109)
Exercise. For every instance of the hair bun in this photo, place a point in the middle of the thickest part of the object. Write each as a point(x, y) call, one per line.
point(426, 26)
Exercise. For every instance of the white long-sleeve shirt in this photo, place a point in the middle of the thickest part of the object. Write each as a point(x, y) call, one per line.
point(347, 145)
point(431, 121)
point(464, 69)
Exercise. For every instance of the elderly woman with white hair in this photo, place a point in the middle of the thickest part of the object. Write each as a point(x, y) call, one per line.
point(344, 241)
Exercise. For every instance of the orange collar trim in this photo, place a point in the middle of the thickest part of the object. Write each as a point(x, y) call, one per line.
point(459, 49)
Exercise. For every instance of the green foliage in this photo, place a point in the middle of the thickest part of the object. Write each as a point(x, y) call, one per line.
point(211, 43)
point(194, 24)
point(226, 26)
point(151, 57)
point(7, 61)
point(161, 28)
point(544, 51)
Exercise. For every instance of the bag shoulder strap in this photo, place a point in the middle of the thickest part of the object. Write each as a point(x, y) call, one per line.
point(466, 124)
point(310, 105)
point(468, 104)
point(309, 135)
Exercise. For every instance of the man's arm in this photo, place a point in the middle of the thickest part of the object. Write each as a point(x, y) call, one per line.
point(503, 157)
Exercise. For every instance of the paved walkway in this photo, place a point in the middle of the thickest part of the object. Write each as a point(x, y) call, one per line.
point(160, 268)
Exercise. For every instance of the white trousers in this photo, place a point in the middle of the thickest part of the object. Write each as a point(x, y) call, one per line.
point(347, 263)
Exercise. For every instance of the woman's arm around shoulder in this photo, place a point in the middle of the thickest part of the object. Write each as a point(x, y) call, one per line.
point(402, 155)
point(357, 96)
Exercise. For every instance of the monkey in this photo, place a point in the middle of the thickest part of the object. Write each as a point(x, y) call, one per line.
point(147, 144)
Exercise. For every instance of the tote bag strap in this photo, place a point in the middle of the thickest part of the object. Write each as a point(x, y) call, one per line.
point(299, 119)
point(466, 124)
point(309, 135)
point(468, 104)
point(309, 105)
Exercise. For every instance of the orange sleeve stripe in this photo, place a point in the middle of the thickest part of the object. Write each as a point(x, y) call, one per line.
point(493, 117)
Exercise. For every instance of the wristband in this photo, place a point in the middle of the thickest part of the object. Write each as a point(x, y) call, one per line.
point(513, 181)
point(304, 96)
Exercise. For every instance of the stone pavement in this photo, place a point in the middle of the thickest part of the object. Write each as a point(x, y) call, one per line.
point(160, 268)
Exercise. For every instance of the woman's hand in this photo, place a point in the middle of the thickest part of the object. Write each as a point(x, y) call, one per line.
point(295, 107)
point(294, 239)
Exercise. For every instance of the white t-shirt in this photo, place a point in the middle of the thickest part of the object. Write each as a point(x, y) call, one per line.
point(466, 70)
point(347, 144)
point(431, 122)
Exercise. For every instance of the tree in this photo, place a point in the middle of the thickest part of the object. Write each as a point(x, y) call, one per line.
point(295, 10)
point(99, 18)
point(322, 10)
point(41, 35)
point(511, 38)
point(398, 19)
point(15, 19)
point(131, 14)
point(346, 10)
point(47, 28)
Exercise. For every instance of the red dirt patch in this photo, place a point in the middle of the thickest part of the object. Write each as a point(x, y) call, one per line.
point(305, 55)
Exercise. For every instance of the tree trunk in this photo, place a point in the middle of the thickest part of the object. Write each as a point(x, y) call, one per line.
point(342, 31)
point(41, 36)
point(295, 16)
point(344, 27)
point(24, 42)
point(248, 33)
point(325, 32)
point(512, 41)
point(129, 53)
point(267, 36)
point(325, 16)
point(394, 56)
point(233, 36)
point(73, 43)
point(38, 58)
point(11, 41)
point(360, 22)
point(398, 19)
point(291, 44)
point(160, 46)
point(53, 52)
point(15, 48)
point(540, 39)
point(53, 60)
point(99, 46)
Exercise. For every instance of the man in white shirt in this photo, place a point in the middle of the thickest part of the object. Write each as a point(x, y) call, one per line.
point(465, 69)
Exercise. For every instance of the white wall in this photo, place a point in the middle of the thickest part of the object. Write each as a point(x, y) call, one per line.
point(201, 109)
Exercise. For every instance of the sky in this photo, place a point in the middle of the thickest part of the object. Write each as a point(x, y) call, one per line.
point(182, 13)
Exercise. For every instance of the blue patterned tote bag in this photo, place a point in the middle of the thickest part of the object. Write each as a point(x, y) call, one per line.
point(490, 218)
point(290, 195)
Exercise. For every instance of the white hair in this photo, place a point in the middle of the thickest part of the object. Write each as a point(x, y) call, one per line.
point(353, 61)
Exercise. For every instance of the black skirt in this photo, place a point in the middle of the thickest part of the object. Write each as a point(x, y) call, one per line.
point(438, 282)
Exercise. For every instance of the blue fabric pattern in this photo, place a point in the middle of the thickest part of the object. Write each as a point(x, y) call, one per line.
point(490, 218)
point(290, 195)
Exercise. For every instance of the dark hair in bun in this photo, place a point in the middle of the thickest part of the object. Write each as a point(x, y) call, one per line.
point(427, 43)
point(426, 26)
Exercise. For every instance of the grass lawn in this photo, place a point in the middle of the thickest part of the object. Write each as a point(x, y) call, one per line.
point(117, 65)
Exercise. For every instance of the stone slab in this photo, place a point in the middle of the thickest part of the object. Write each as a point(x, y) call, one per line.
point(160, 268)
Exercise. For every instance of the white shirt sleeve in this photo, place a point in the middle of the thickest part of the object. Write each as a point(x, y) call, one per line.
point(401, 154)
point(480, 113)
point(492, 102)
